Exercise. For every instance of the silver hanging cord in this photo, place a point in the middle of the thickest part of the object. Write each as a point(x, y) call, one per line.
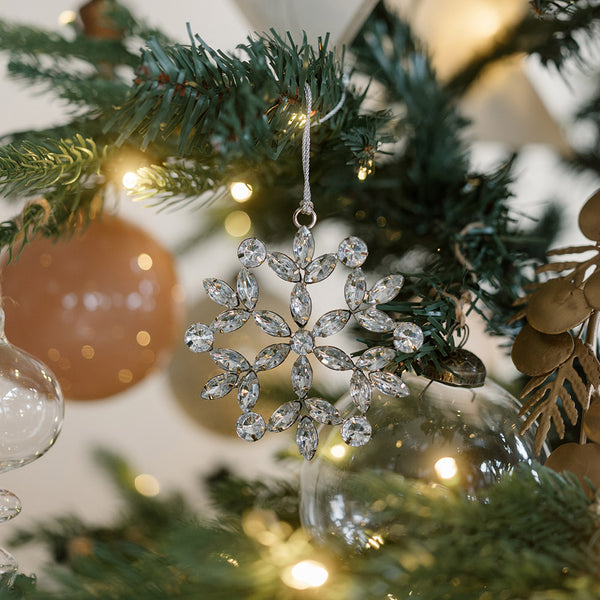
point(307, 206)
point(338, 106)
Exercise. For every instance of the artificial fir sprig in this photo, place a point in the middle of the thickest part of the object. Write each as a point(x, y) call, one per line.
point(30, 167)
point(220, 103)
point(535, 536)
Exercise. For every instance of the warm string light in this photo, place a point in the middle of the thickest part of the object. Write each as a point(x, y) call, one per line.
point(365, 170)
point(66, 17)
point(146, 485)
point(338, 451)
point(446, 468)
point(237, 223)
point(306, 574)
point(130, 180)
point(240, 191)
point(283, 547)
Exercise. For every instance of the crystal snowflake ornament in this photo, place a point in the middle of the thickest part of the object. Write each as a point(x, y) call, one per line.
point(300, 342)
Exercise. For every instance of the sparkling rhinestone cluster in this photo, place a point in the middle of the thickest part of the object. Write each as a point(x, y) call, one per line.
point(362, 304)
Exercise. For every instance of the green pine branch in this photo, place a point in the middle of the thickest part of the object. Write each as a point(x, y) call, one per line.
point(79, 89)
point(219, 103)
point(535, 536)
point(35, 43)
point(28, 167)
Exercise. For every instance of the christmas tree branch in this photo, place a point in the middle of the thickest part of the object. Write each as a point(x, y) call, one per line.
point(25, 41)
point(77, 88)
point(221, 103)
point(27, 167)
point(538, 525)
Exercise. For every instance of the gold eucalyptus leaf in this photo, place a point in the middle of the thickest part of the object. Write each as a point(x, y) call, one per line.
point(557, 306)
point(592, 290)
point(543, 393)
point(535, 353)
point(589, 218)
point(583, 460)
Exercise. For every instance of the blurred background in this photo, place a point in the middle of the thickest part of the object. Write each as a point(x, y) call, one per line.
point(160, 424)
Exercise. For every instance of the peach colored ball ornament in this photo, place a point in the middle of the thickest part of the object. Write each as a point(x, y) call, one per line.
point(102, 309)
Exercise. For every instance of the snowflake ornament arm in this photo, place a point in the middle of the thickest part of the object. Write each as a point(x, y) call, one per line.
point(303, 270)
point(362, 305)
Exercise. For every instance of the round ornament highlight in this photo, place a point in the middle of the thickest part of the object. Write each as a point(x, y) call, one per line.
point(103, 309)
point(439, 435)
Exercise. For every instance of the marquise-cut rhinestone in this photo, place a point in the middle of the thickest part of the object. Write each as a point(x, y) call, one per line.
point(320, 268)
point(250, 427)
point(229, 360)
point(252, 252)
point(389, 384)
point(220, 292)
point(247, 288)
point(355, 289)
point(271, 323)
point(356, 431)
point(285, 416)
point(307, 438)
point(376, 358)
point(333, 358)
point(199, 337)
point(360, 391)
point(302, 376)
point(271, 357)
point(283, 266)
point(323, 412)
point(331, 322)
point(353, 252)
point(303, 246)
point(248, 391)
point(385, 289)
point(300, 304)
point(374, 320)
point(408, 337)
point(230, 320)
point(219, 386)
point(302, 342)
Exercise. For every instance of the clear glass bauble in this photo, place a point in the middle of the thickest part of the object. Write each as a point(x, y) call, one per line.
point(438, 435)
point(31, 406)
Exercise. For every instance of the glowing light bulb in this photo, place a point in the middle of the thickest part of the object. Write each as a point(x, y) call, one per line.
point(240, 191)
point(362, 173)
point(237, 223)
point(66, 17)
point(337, 451)
point(306, 574)
point(130, 180)
point(446, 467)
point(146, 485)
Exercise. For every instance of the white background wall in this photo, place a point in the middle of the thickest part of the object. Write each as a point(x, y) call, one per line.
point(145, 424)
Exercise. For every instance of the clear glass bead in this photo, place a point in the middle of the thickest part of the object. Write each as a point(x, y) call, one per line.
point(408, 337)
point(252, 252)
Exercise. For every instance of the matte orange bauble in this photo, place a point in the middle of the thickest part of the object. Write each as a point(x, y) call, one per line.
point(101, 309)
